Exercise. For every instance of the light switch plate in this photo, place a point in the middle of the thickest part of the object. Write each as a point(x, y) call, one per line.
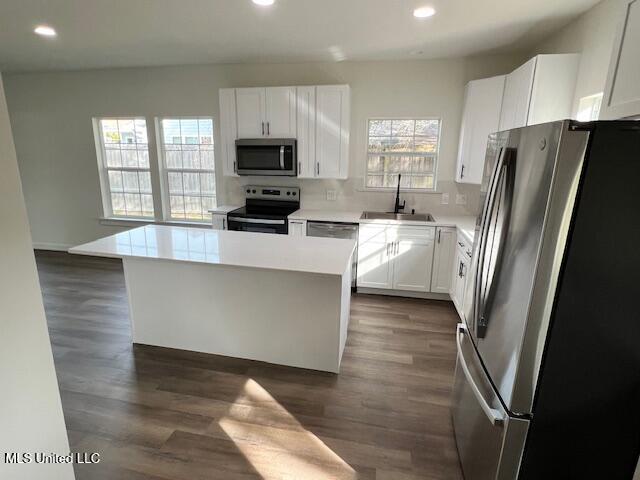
point(461, 199)
point(331, 195)
point(444, 200)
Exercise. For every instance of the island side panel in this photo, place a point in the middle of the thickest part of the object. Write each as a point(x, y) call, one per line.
point(345, 309)
point(282, 317)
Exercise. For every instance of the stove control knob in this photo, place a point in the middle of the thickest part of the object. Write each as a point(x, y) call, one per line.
point(294, 194)
point(288, 193)
point(248, 190)
point(253, 191)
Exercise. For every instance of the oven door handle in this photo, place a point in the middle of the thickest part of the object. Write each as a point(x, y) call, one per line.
point(255, 220)
point(281, 157)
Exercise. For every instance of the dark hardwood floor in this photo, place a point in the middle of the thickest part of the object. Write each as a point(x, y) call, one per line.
point(154, 413)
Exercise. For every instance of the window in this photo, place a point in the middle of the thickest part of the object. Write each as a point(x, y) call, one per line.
point(589, 108)
point(188, 171)
point(124, 167)
point(402, 146)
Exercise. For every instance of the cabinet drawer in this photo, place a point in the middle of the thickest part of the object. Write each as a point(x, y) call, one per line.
point(417, 234)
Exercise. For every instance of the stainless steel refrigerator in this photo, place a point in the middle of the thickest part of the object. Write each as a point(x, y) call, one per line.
point(547, 382)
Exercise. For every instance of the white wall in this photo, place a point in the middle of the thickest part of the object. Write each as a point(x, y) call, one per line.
point(31, 417)
point(592, 34)
point(51, 118)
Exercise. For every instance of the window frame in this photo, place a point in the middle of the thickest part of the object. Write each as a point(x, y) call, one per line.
point(163, 170)
point(436, 156)
point(103, 169)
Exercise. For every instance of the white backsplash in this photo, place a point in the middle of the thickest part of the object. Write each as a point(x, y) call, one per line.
point(352, 196)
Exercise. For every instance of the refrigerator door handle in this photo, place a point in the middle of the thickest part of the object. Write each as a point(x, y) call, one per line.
point(495, 416)
point(501, 202)
point(477, 286)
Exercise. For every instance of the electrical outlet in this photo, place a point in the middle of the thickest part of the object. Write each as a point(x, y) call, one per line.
point(461, 199)
point(332, 195)
point(444, 200)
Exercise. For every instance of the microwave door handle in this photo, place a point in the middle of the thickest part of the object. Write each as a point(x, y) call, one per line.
point(495, 416)
point(281, 157)
point(506, 181)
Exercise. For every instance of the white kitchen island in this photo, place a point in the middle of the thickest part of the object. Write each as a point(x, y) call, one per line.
point(274, 298)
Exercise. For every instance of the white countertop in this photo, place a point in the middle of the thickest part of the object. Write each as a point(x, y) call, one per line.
point(223, 208)
point(464, 223)
point(326, 216)
point(222, 247)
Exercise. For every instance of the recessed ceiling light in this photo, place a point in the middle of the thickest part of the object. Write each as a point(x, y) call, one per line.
point(263, 3)
point(45, 31)
point(424, 12)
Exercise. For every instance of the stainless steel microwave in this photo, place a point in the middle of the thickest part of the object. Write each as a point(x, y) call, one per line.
point(266, 156)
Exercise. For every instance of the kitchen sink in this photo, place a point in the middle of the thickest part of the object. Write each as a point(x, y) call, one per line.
point(416, 217)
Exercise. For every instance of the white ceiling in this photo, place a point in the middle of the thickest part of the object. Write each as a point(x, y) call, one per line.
point(119, 33)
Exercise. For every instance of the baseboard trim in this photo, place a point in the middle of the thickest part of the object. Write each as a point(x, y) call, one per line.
point(404, 293)
point(56, 247)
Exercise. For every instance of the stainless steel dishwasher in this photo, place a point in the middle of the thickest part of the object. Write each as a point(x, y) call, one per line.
point(337, 230)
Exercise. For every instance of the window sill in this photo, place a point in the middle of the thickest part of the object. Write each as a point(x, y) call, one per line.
point(139, 222)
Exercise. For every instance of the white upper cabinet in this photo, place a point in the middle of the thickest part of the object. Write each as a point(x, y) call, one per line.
point(622, 93)
point(480, 117)
point(266, 112)
point(228, 130)
point(517, 94)
point(317, 116)
point(250, 108)
point(306, 131)
point(539, 91)
point(332, 131)
point(280, 119)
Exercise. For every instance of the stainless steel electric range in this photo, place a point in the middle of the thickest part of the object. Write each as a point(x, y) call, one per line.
point(266, 210)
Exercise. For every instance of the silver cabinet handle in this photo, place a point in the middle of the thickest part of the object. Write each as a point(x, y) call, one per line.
point(461, 244)
point(224, 223)
point(299, 168)
point(462, 172)
point(235, 169)
point(281, 156)
point(439, 232)
point(495, 416)
point(268, 128)
point(262, 128)
point(317, 168)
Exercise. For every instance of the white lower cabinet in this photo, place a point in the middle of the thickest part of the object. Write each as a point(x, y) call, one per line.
point(219, 221)
point(395, 257)
point(298, 228)
point(374, 267)
point(461, 263)
point(444, 250)
point(413, 258)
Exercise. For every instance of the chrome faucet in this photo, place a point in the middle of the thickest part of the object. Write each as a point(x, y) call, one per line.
point(397, 207)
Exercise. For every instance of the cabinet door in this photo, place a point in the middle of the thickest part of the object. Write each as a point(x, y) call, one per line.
point(481, 117)
point(297, 228)
point(445, 246)
point(412, 253)
point(517, 95)
point(250, 110)
point(280, 112)
point(332, 131)
point(373, 257)
point(306, 131)
point(554, 85)
point(219, 221)
point(622, 92)
point(228, 131)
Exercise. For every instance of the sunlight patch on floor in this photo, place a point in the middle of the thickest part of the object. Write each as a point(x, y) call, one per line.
point(279, 453)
